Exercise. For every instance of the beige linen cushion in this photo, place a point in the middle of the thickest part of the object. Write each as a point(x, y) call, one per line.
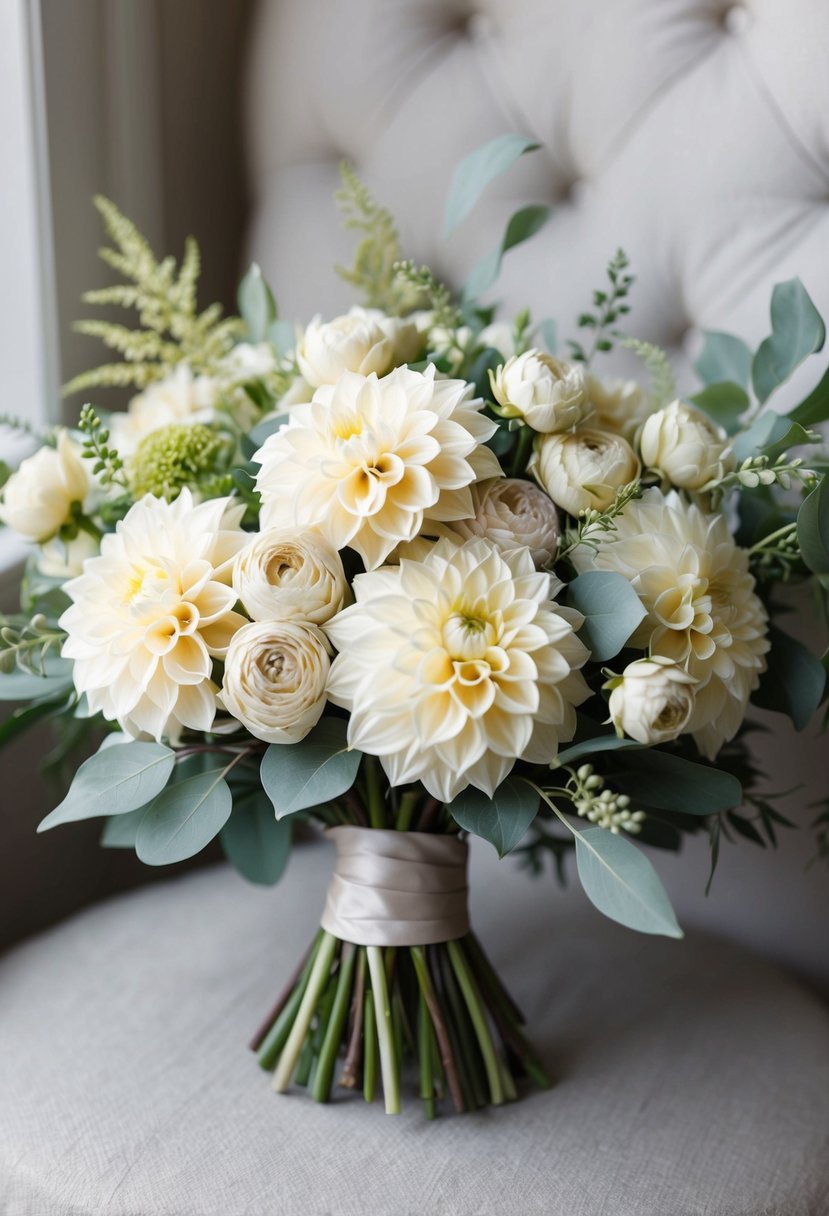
point(692, 1078)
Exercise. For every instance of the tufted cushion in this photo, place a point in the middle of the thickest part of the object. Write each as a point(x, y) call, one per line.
point(695, 133)
point(692, 1078)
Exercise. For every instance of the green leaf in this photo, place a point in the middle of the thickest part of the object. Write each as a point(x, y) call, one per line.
point(589, 747)
point(120, 830)
point(114, 781)
point(183, 819)
point(282, 337)
point(549, 336)
point(620, 881)
point(320, 767)
point(793, 682)
point(813, 528)
point(723, 358)
point(814, 409)
point(477, 170)
point(723, 402)
point(502, 819)
point(254, 841)
point(611, 609)
point(19, 685)
point(797, 331)
point(521, 226)
point(266, 428)
point(670, 783)
point(257, 307)
point(770, 434)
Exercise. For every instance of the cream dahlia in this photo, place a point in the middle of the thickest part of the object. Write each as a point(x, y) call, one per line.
point(368, 460)
point(702, 611)
point(456, 666)
point(152, 611)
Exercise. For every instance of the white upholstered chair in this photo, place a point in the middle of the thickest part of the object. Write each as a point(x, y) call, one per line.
point(692, 1077)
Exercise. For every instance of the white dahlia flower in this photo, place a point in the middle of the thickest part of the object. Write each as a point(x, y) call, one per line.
point(368, 460)
point(180, 398)
point(152, 611)
point(512, 512)
point(456, 666)
point(702, 611)
point(546, 393)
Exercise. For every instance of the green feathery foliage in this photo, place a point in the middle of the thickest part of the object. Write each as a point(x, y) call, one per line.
point(172, 330)
point(610, 304)
point(663, 386)
point(173, 457)
point(374, 272)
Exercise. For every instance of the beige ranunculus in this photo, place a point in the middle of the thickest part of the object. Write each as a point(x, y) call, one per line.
point(583, 470)
point(620, 406)
point(652, 701)
point(274, 679)
point(280, 576)
point(511, 512)
point(354, 342)
point(546, 393)
point(38, 498)
point(685, 447)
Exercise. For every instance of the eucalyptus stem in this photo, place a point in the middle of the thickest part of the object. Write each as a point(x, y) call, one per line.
point(277, 1036)
point(336, 1023)
point(407, 805)
point(374, 792)
point(348, 1077)
point(472, 997)
point(316, 983)
point(369, 1048)
point(389, 1067)
point(259, 1038)
point(523, 450)
point(447, 1057)
point(424, 1052)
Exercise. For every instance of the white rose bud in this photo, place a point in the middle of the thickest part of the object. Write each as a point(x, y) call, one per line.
point(546, 393)
point(652, 701)
point(584, 470)
point(274, 680)
point(65, 559)
point(37, 498)
point(355, 342)
point(279, 576)
point(620, 406)
point(512, 513)
point(685, 447)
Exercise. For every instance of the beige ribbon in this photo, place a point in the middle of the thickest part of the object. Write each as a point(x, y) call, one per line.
point(396, 888)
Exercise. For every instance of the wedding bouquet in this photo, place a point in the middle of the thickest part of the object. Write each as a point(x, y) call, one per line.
point(410, 574)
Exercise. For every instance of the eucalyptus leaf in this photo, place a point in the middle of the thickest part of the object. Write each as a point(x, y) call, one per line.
point(797, 331)
point(813, 528)
point(770, 434)
point(549, 335)
point(814, 408)
point(254, 841)
point(723, 402)
point(794, 680)
point(319, 768)
point(19, 685)
point(611, 609)
point(723, 357)
point(282, 336)
point(521, 226)
point(120, 830)
point(266, 428)
point(257, 306)
point(477, 170)
point(589, 747)
point(671, 783)
point(184, 818)
point(114, 781)
point(502, 819)
point(619, 880)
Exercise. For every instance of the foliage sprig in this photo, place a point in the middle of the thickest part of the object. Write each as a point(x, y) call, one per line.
point(108, 466)
point(374, 271)
point(609, 304)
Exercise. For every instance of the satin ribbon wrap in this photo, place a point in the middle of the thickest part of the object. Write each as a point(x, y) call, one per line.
point(396, 888)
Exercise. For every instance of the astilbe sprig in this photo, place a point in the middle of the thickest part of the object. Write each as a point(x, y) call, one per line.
point(655, 359)
point(374, 271)
point(173, 330)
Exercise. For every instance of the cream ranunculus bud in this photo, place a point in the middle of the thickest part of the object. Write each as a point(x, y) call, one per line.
point(584, 470)
point(280, 576)
point(37, 498)
point(354, 342)
point(275, 678)
point(546, 393)
point(685, 447)
point(65, 559)
point(652, 701)
point(511, 513)
point(620, 406)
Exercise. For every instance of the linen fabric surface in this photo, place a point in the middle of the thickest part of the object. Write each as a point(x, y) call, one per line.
point(396, 888)
point(691, 1077)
